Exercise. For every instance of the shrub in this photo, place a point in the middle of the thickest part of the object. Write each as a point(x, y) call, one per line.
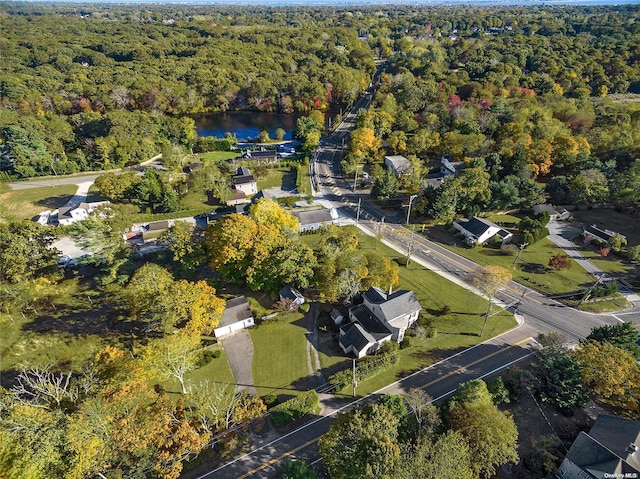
point(295, 408)
point(210, 143)
point(304, 308)
point(559, 262)
point(509, 249)
point(206, 357)
point(270, 400)
point(498, 391)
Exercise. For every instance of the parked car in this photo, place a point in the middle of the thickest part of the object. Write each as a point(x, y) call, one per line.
point(63, 261)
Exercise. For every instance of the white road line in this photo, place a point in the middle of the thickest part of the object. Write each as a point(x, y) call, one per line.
point(614, 316)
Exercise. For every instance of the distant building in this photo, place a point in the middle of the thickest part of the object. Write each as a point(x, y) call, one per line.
point(450, 167)
point(609, 450)
point(237, 197)
point(267, 155)
point(593, 233)
point(478, 230)
point(398, 164)
point(70, 214)
point(315, 219)
point(554, 214)
point(237, 315)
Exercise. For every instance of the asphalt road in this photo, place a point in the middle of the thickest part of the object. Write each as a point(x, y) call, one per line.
point(57, 181)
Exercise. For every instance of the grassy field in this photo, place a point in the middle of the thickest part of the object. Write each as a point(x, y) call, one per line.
point(611, 264)
point(25, 204)
point(217, 373)
point(280, 358)
point(280, 177)
point(215, 156)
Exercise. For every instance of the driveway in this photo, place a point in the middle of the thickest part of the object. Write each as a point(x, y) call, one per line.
point(239, 349)
point(561, 234)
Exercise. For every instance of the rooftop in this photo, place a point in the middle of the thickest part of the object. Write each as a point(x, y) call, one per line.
point(355, 335)
point(316, 216)
point(243, 179)
point(370, 323)
point(237, 309)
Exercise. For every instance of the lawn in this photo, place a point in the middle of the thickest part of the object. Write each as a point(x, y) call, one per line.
point(280, 357)
point(215, 156)
point(611, 264)
point(280, 177)
point(217, 373)
point(532, 268)
point(25, 204)
point(620, 222)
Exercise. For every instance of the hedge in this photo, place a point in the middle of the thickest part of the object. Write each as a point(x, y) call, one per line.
point(365, 369)
point(295, 408)
point(211, 143)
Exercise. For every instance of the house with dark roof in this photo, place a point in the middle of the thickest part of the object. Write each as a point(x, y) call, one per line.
point(237, 315)
point(609, 450)
point(478, 230)
point(398, 164)
point(554, 213)
point(382, 316)
point(593, 233)
point(237, 198)
point(244, 181)
point(450, 167)
point(291, 293)
point(267, 155)
point(316, 219)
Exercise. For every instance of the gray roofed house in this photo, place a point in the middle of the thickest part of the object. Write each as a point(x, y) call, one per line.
point(237, 315)
point(398, 164)
point(315, 219)
point(355, 339)
point(289, 292)
point(600, 235)
point(479, 230)
point(384, 316)
point(245, 183)
point(260, 155)
point(554, 214)
point(610, 449)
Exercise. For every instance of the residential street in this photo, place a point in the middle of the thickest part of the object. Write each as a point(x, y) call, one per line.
point(535, 313)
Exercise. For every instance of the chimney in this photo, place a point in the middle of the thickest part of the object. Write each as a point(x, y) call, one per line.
point(631, 448)
point(390, 290)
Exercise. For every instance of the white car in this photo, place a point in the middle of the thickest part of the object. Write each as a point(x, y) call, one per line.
point(63, 261)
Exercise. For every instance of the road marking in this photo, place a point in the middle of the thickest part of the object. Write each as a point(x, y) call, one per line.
point(462, 368)
point(465, 367)
point(613, 315)
point(274, 460)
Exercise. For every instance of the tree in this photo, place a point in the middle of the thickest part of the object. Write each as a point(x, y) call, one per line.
point(25, 250)
point(119, 188)
point(489, 279)
point(620, 335)
point(448, 457)
point(270, 213)
point(611, 373)
point(386, 187)
point(193, 305)
point(589, 186)
point(559, 262)
point(364, 144)
point(149, 283)
point(295, 469)
point(492, 435)
point(423, 411)
point(173, 356)
point(185, 245)
point(560, 380)
point(362, 444)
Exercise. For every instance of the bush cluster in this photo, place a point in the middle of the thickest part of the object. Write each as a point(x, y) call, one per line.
point(295, 408)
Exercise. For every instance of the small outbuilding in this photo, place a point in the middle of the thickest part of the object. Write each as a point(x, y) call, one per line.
point(316, 219)
point(291, 293)
point(237, 315)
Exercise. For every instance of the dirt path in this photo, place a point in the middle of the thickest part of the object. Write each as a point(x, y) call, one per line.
point(239, 349)
point(313, 357)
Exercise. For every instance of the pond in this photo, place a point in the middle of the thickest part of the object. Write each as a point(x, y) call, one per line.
point(246, 124)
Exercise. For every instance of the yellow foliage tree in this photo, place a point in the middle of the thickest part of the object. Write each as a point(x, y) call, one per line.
point(270, 213)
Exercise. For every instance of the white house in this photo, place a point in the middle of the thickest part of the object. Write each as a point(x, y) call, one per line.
point(382, 317)
point(70, 214)
point(398, 164)
point(237, 315)
point(554, 214)
point(478, 230)
point(244, 181)
point(315, 219)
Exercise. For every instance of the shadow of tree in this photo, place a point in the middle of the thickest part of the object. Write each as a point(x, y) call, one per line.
point(54, 202)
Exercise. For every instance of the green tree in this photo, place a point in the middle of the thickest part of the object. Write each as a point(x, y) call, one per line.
point(620, 335)
point(560, 380)
point(185, 245)
point(589, 186)
point(386, 187)
point(25, 250)
point(297, 470)
point(492, 435)
point(362, 444)
point(173, 356)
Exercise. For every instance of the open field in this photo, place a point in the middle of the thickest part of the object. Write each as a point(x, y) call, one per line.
point(25, 204)
point(280, 177)
point(215, 156)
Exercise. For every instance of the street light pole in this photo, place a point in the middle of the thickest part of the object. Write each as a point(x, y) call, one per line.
point(358, 213)
point(520, 248)
point(411, 198)
point(355, 178)
point(413, 231)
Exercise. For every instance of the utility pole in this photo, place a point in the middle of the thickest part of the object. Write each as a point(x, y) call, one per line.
point(520, 248)
point(355, 383)
point(379, 235)
point(593, 286)
point(358, 213)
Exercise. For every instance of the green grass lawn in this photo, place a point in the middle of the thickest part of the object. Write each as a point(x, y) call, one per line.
point(280, 357)
point(25, 204)
point(537, 274)
point(215, 156)
point(217, 373)
point(277, 178)
point(611, 264)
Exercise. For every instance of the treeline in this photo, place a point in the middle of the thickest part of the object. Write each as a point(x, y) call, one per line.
point(69, 101)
